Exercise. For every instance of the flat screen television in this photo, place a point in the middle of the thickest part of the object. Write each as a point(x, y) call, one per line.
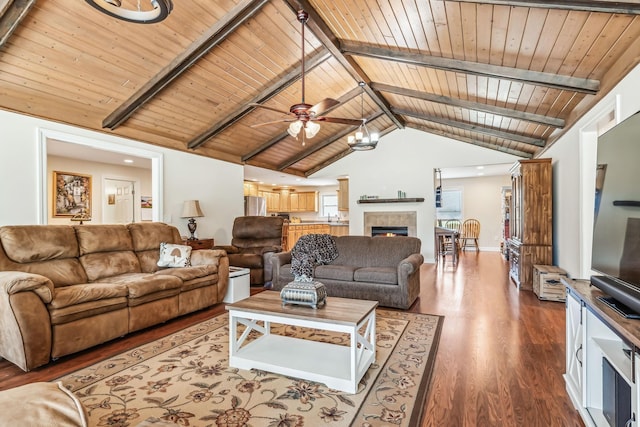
point(616, 231)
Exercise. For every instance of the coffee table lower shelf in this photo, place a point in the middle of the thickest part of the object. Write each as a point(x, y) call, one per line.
point(316, 361)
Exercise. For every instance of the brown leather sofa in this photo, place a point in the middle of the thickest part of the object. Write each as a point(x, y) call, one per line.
point(383, 269)
point(254, 241)
point(67, 288)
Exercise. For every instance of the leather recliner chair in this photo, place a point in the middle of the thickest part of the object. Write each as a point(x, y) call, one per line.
point(254, 241)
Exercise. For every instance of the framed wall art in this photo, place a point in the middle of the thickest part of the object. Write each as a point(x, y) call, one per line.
point(71, 194)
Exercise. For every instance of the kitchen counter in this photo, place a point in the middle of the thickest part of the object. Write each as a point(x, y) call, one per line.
point(346, 224)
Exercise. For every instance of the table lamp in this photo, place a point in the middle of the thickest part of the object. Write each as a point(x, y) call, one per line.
point(191, 209)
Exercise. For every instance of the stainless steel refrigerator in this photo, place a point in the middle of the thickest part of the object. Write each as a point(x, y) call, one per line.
point(255, 206)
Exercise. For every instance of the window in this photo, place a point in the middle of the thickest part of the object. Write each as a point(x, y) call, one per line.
point(451, 205)
point(329, 205)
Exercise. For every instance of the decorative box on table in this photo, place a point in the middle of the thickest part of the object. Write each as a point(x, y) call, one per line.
point(311, 293)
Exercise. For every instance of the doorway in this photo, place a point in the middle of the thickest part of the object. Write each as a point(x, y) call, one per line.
point(121, 196)
point(97, 149)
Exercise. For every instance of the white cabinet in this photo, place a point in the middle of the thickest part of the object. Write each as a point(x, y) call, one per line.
point(575, 349)
point(594, 345)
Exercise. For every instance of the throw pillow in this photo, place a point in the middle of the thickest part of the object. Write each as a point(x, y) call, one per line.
point(174, 255)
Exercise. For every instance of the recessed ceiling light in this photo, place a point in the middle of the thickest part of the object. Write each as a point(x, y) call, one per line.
point(128, 161)
point(479, 167)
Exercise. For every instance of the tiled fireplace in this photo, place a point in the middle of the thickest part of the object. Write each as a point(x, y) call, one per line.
point(390, 219)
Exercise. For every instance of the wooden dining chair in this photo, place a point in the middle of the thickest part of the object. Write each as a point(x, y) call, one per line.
point(447, 244)
point(469, 233)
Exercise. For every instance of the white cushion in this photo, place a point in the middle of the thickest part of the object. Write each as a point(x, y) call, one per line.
point(174, 255)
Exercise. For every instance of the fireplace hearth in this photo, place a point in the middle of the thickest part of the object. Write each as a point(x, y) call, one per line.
point(389, 231)
point(391, 219)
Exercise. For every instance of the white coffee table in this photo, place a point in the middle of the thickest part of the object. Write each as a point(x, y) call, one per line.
point(239, 284)
point(339, 367)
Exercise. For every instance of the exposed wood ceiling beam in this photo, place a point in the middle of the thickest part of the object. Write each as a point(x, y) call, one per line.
point(342, 100)
point(461, 138)
point(213, 37)
point(475, 68)
point(272, 90)
point(323, 33)
point(343, 154)
point(632, 8)
point(473, 128)
point(309, 151)
point(12, 12)
point(470, 105)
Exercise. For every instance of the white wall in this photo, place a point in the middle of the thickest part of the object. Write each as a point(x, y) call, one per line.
point(574, 166)
point(217, 184)
point(482, 200)
point(405, 160)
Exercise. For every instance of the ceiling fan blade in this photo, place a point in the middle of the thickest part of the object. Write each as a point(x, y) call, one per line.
point(288, 113)
point(352, 122)
point(323, 105)
point(273, 122)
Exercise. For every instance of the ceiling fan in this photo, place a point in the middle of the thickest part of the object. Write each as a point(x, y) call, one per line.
point(303, 115)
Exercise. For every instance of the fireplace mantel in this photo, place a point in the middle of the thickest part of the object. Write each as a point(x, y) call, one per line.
point(401, 200)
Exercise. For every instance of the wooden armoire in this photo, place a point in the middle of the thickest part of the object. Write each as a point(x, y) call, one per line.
point(531, 222)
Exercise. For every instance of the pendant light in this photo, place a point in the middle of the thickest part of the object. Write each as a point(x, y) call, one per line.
point(362, 139)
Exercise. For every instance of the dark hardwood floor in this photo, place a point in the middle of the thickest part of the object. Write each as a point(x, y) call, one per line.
point(500, 359)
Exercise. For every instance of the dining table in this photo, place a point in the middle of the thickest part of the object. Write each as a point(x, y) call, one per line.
point(442, 250)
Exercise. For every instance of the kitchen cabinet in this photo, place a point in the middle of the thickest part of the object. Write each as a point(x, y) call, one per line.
point(294, 231)
point(250, 189)
point(339, 230)
point(343, 194)
point(285, 202)
point(273, 201)
point(303, 201)
point(531, 220)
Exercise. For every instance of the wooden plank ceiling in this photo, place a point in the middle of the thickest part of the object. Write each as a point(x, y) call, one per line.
point(508, 76)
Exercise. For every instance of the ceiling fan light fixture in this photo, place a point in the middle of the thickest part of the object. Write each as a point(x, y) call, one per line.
point(294, 128)
point(159, 10)
point(311, 129)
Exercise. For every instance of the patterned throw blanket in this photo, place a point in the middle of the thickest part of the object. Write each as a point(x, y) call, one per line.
point(311, 250)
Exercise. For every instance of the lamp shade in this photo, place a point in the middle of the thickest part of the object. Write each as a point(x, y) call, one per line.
point(191, 209)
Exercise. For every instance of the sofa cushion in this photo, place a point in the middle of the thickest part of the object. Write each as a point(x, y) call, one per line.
point(108, 264)
point(77, 294)
point(142, 284)
point(41, 404)
point(49, 250)
point(365, 251)
point(190, 273)
point(376, 275)
point(72, 313)
point(32, 243)
point(334, 272)
point(148, 235)
point(103, 238)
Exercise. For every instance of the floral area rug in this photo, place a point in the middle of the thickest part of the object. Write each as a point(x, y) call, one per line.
point(185, 379)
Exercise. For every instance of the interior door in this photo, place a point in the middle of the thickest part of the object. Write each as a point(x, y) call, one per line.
point(120, 208)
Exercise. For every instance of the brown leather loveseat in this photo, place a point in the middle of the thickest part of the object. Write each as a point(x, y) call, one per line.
point(67, 288)
point(255, 239)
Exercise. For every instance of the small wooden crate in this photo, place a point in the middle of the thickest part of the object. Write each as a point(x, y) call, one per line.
point(547, 284)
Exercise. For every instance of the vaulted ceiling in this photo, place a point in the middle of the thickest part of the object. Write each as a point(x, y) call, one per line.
point(511, 76)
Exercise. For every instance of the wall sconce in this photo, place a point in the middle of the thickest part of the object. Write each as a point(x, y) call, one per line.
point(191, 209)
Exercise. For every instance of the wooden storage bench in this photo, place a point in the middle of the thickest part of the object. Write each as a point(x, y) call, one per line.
point(546, 282)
